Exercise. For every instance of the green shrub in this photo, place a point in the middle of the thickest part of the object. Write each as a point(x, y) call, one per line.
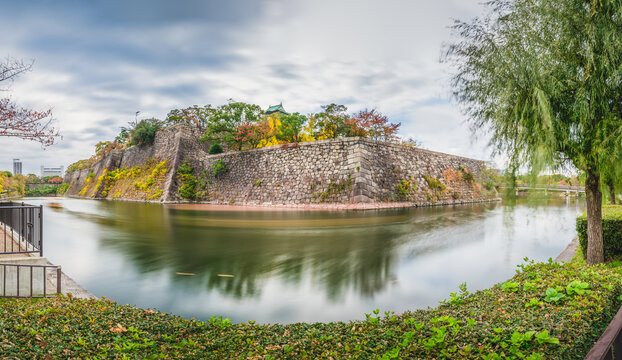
point(215, 149)
point(434, 183)
point(145, 131)
point(219, 168)
point(188, 181)
point(404, 189)
point(612, 231)
point(503, 322)
point(42, 191)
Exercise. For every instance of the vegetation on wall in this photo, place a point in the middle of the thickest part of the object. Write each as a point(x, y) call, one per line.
point(405, 189)
point(219, 167)
point(139, 182)
point(335, 189)
point(187, 180)
point(62, 189)
point(215, 149)
point(436, 188)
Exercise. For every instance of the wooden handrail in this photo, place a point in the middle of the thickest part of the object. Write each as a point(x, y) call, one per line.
point(609, 346)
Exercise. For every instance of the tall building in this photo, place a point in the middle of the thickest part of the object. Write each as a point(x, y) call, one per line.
point(52, 171)
point(17, 167)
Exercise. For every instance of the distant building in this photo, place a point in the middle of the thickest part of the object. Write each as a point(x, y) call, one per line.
point(276, 109)
point(52, 171)
point(17, 167)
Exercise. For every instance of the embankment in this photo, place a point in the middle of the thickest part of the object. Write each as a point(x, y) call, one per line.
point(350, 170)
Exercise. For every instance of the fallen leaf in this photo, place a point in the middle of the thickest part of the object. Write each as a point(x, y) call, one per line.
point(118, 329)
point(224, 275)
point(185, 274)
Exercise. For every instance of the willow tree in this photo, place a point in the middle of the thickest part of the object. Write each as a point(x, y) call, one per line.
point(543, 79)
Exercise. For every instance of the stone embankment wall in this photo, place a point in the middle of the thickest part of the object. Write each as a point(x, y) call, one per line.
point(351, 170)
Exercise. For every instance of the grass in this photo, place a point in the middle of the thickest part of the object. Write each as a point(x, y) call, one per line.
point(518, 319)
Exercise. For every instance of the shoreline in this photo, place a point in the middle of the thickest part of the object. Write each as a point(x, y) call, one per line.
point(209, 206)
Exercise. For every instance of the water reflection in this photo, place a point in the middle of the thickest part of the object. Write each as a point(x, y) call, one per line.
point(343, 258)
point(299, 266)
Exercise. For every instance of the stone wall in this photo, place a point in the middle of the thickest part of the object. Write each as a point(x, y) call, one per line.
point(351, 170)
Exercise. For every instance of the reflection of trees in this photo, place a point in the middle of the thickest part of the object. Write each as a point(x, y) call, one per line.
point(336, 259)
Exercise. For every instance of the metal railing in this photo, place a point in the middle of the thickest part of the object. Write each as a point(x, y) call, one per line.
point(609, 346)
point(22, 280)
point(21, 228)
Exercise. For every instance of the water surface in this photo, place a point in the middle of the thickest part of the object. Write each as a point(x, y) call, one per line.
point(290, 266)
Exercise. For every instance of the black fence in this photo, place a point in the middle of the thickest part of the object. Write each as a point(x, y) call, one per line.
point(21, 228)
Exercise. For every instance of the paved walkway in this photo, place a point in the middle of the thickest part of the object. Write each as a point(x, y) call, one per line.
point(569, 252)
point(7, 244)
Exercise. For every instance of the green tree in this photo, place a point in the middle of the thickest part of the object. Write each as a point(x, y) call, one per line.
point(332, 122)
point(543, 78)
point(123, 136)
point(291, 127)
point(223, 124)
point(145, 131)
point(612, 174)
point(194, 115)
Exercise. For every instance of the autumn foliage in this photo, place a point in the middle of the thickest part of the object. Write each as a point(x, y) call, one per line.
point(17, 121)
point(250, 135)
point(26, 124)
point(374, 125)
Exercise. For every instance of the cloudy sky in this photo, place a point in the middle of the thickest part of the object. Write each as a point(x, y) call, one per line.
point(98, 62)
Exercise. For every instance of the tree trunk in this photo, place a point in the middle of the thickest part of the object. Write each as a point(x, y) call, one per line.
point(612, 191)
point(594, 198)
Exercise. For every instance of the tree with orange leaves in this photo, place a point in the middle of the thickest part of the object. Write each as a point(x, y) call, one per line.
point(374, 125)
point(251, 134)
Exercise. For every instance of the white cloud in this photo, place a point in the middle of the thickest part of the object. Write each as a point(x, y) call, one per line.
point(364, 54)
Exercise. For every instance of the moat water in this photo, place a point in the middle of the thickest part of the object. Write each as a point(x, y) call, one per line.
point(291, 266)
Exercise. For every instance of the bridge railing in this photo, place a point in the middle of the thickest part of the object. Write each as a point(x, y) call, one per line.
point(557, 187)
point(548, 187)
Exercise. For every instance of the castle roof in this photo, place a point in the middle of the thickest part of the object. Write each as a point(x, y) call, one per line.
point(276, 108)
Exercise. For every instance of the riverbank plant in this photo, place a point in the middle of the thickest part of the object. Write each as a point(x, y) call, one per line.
point(518, 319)
point(612, 231)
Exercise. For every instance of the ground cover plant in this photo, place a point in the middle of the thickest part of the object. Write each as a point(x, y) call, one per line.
point(612, 231)
point(524, 318)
